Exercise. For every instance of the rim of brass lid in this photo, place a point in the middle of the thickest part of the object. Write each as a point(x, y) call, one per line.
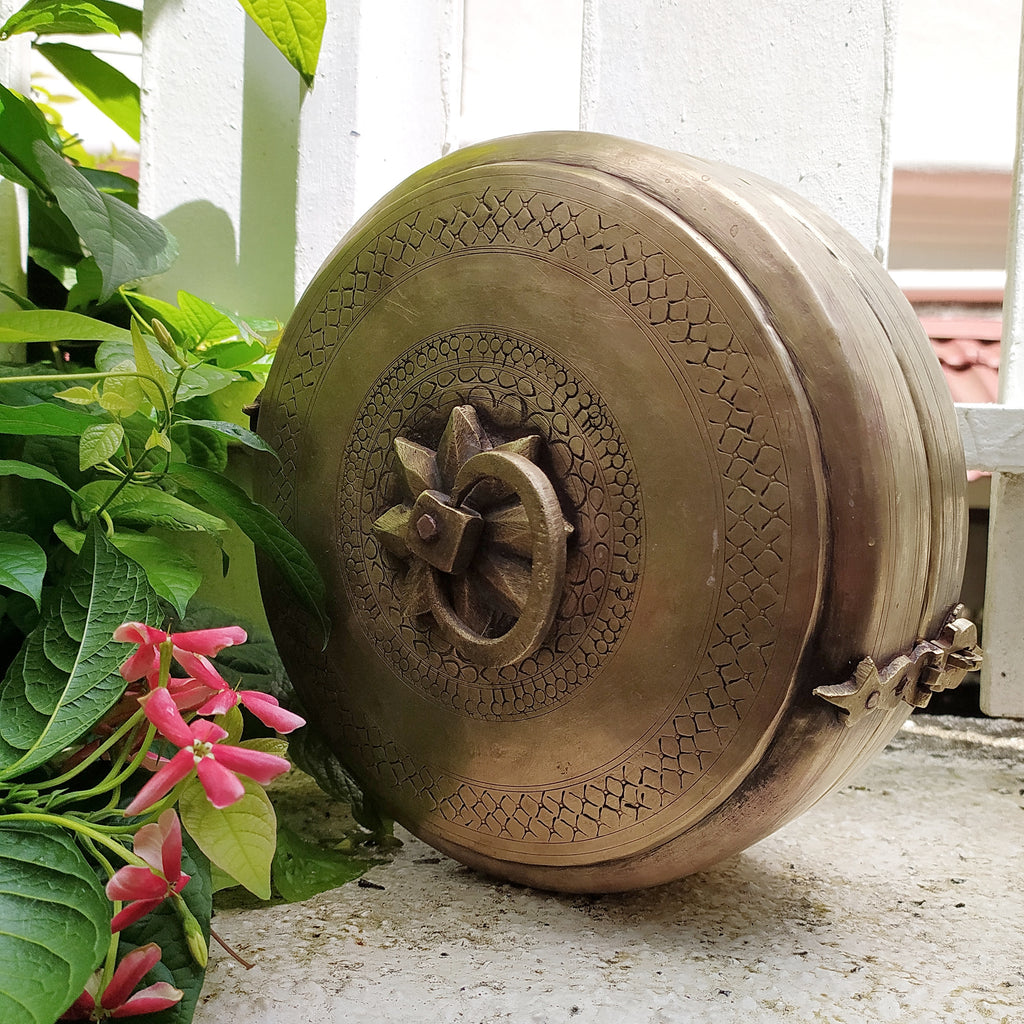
point(810, 752)
point(668, 861)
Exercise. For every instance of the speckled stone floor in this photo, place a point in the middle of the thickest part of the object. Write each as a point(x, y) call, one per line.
point(897, 898)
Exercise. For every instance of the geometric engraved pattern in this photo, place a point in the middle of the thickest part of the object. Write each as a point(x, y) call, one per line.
point(512, 384)
point(742, 430)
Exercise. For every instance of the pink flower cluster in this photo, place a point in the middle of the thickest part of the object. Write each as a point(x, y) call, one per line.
point(206, 692)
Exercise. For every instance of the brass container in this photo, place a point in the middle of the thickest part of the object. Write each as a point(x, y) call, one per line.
point(640, 502)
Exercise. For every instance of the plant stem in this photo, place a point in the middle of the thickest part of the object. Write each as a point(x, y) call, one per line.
point(126, 727)
point(74, 825)
point(231, 952)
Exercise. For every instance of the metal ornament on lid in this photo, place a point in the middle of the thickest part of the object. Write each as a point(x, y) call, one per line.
point(640, 502)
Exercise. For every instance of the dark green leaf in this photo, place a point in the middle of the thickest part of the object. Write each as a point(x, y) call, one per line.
point(12, 467)
point(126, 244)
point(310, 750)
point(27, 325)
point(22, 126)
point(231, 430)
point(163, 926)
point(142, 506)
point(88, 284)
point(172, 574)
point(56, 922)
point(266, 531)
point(44, 418)
point(66, 17)
point(22, 565)
point(302, 869)
point(295, 27)
point(65, 677)
point(113, 93)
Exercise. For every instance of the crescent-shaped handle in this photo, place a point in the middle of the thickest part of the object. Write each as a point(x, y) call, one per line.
point(548, 543)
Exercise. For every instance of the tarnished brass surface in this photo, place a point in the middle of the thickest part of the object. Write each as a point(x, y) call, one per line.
point(610, 458)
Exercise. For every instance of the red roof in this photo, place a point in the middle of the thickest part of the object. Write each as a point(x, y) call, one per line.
point(968, 350)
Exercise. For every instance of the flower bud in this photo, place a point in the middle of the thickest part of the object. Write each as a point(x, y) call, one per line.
point(166, 342)
point(193, 934)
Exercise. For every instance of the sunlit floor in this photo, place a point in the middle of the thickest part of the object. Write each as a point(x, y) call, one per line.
point(898, 898)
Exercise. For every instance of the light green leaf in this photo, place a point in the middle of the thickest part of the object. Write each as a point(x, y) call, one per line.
point(146, 363)
point(172, 574)
point(141, 506)
point(66, 17)
point(22, 565)
point(232, 723)
point(56, 922)
point(266, 531)
point(231, 430)
point(79, 396)
point(127, 19)
point(301, 869)
point(16, 297)
point(25, 325)
point(196, 381)
point(65, 678)
point(112, 92)
point(295, 27)
point(46, 419)
point(99, 443)
point(123, 396)
point(202, 322)
point(158, 439)
point(13, 467)
point(239, 839)
point(126, 244)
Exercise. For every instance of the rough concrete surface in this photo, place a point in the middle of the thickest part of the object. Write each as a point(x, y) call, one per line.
point(897, 898)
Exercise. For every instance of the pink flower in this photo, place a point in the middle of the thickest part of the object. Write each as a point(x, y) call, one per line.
point(200, 748)
point(206, 689)
point(159, 845)
point(200, 643)
point(117, 1000)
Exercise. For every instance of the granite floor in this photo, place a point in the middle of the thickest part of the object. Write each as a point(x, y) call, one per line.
point(897, 898)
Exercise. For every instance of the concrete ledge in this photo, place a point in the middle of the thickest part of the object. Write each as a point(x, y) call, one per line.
point(897, 898)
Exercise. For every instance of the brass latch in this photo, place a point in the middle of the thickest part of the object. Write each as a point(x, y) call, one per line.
point(931, 666)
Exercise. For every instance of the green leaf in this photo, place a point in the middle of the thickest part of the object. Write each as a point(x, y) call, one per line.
point(12, 467)
point(123, 396)
point(196, 381)
point(302, 869)
point(56, 922)
point(25, 325)
point(146, 363)
point(126, 244)
point(231, 430)
point(172, 574)
point(44, 418)
point(99, 443)
point(239, 839)
point(203, 322)
point(70, 537)
point(127, 19)
point(67, 17)
point(22, 126)
point(142, 506)
point(65, 677)
point(112, 92)
point(79, 395)
point(16, 297)
point(164, 927)
point(234, 355)
point(88, 284)
point(266, 531)
point(22, 565)
point(295, 27)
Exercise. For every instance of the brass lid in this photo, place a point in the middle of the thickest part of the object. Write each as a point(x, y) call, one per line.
point(609, 457)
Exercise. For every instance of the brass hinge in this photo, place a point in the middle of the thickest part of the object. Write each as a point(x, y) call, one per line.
point(931, 666)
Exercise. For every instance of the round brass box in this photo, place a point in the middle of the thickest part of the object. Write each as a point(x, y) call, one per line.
point(610, 458)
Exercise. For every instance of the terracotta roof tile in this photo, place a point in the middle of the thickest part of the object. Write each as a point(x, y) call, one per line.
point(968, 351)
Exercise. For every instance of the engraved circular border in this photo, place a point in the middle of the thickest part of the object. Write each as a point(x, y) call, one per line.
point(661, 769)
point(515, 385)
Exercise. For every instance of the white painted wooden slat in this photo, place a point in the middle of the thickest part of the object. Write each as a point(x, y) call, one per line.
point(1002, 678)
point(993, 437)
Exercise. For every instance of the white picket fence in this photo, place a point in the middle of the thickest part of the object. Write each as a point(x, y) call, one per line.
point(259, 178)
